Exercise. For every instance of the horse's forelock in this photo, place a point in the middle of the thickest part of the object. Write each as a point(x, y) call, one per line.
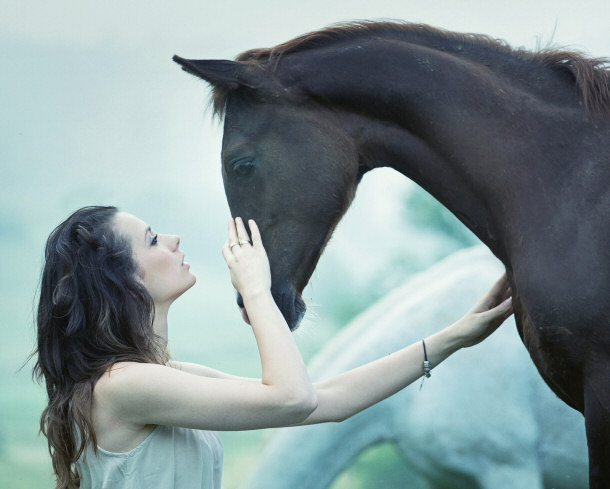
point(220, 94)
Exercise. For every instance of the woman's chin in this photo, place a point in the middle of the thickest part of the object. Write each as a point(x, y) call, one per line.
point(193, 280)
point(188, 284)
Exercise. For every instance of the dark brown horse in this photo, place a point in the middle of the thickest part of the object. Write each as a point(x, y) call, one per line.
point(516, 144)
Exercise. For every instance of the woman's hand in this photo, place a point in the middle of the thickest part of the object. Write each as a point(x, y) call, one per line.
point(486, 315)
point(247, 261)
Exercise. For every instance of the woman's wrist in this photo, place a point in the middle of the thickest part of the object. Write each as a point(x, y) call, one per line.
point(444, 343)
point(255, 294)
point(259, 306)
point(456, 335)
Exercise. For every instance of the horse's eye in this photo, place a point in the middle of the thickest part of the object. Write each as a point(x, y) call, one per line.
point(243, 167)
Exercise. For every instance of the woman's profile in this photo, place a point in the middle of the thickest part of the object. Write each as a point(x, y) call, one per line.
point(122, 414)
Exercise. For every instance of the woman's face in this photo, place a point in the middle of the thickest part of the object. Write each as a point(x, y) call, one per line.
point(161, 264)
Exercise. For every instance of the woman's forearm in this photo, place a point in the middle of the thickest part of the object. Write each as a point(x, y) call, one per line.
point(349, 393)
point(282, 365)
point(285, 383)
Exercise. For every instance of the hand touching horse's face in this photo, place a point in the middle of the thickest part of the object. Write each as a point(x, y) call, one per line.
point(295, 175)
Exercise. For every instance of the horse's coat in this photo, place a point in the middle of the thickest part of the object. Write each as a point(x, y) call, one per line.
point(516, 145)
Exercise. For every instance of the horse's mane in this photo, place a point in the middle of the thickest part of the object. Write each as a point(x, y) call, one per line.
point(591, 75)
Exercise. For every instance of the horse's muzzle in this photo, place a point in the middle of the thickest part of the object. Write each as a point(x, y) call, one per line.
point(289, 302)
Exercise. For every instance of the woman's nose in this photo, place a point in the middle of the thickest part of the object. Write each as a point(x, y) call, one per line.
point(172, 241)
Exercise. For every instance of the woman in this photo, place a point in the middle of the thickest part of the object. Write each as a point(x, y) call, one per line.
point(121, 414)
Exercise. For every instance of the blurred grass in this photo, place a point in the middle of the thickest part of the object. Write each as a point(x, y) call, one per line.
point(380, 466)
point(24, 460)
point(27, 467)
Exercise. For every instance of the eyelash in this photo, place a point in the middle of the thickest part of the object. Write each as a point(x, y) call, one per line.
point(154, 240)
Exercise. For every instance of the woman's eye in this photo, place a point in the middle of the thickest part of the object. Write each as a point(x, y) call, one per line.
point(243, 168)
point(154, 240)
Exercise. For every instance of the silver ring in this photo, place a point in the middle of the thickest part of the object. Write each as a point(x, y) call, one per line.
point(244, 241)
point(231, 245)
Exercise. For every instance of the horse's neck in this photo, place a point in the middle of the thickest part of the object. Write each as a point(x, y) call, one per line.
point(452, 125)
point(460, 185)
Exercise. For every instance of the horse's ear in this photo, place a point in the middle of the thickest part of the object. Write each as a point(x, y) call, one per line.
point(223, 72)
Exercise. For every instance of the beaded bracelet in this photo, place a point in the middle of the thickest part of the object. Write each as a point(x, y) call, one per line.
point(426, 362)
point(426, 365)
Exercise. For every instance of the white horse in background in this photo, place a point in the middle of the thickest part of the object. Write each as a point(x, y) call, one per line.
point(485, 419)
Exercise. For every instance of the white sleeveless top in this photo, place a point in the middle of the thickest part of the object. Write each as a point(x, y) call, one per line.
point(169, 458)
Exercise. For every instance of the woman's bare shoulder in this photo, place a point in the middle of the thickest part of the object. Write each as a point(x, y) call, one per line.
point(114, 433)
point(122, 374)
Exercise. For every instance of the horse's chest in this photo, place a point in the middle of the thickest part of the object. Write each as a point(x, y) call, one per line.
point(553, 350)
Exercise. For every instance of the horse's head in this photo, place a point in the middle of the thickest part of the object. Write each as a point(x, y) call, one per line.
point(287, 164)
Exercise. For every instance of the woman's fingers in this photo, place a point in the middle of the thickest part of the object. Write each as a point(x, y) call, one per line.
point(509, 311)
point(256, 234)
point(494, 317)
point(225, 249)
point(232, 232)
point(249, 264)
point(502, 308)
point(507, 294)
point(489, 312)
point(499, 291)
point(226, 252)
point(238, 232)
point(242, 234)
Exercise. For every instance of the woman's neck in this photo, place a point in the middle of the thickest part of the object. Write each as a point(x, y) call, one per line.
point(160, 320)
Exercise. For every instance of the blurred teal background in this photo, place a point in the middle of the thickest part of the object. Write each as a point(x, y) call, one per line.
point(93, 111)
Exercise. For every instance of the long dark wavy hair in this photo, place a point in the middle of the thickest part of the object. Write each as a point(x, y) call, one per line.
point(92, 312)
